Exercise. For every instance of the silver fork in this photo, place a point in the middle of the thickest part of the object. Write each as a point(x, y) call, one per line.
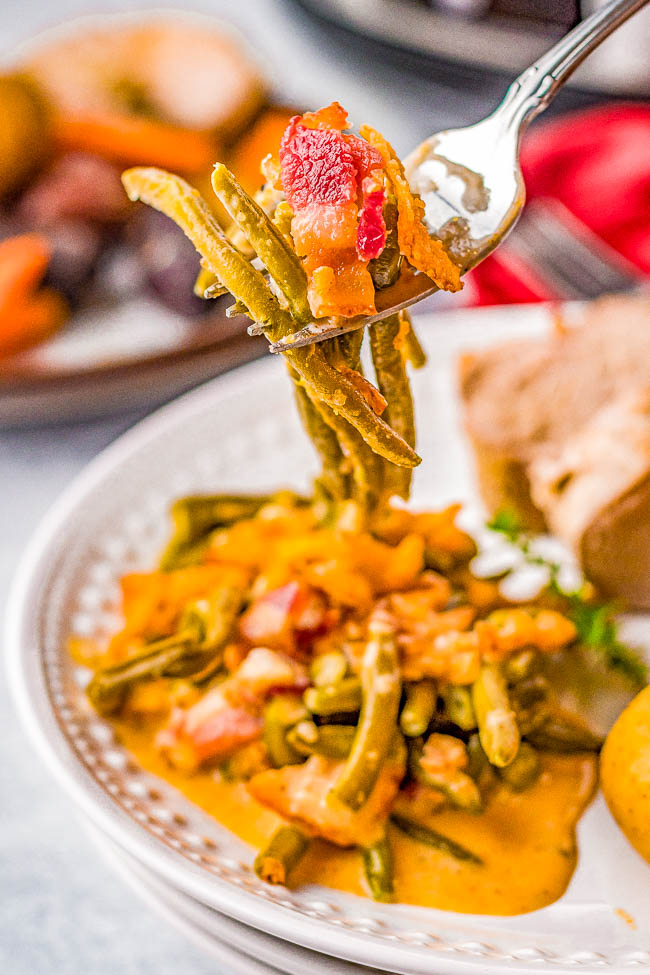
point(569, 257)
point(470, 179)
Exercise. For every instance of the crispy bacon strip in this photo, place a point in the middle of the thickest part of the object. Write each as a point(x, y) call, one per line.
point(420, 249)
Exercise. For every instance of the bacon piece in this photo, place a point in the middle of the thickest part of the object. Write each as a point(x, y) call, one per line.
point(228, 716)
point(322, 227)
point(286, 617)
point(210, 729)
point(333, 116)
point(371, 232)
point(300, 793)
point(323, 173)
point(340, 285)
point(317, 166)
point(261, 673)
point(420, 249)
point(367, 159)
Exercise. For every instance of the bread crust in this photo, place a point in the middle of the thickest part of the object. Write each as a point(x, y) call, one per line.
point(560, 428)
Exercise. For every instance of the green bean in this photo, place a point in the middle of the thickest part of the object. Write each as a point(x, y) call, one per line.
point(181, 556)
point(431, 837)
point(176, 198)
point(524, 770)
point(458, 706)
point(282, 854)
point(521, 665)
point(414, 353)
point(330, 740)
point(378, 720)
point(562, 732)
point(328, 668)
point(478, 765)
point(393, 384)
point(496, 720)
point(204, 628)
point(272, 247)
point(458, 788)
point(366, 465)
point(268, 198)
point(530, 691)
point(175, 656)
point(379, 869)
point(195, 516)
point(385, 269)
point(275, 249)
point(349, 348)
point(338, 698)
point(281, 713)
point(325, 442)
point(282, 219)
point(419, 708)
point(213, 617)
point(332, 388)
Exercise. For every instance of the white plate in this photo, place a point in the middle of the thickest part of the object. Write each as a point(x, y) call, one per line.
point(240, 433)
point(216, 931)
point(186, 914)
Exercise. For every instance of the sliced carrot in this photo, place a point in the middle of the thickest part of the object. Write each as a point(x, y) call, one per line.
point(23, 262)
point(26, 317)
point(33, 322)
point(262, 138)
point(132, 140)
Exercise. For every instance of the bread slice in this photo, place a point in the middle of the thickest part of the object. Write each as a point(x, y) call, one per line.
point(560, 428)
point(595, 493)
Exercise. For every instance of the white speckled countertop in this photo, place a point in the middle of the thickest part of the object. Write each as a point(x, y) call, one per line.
point(62, 910)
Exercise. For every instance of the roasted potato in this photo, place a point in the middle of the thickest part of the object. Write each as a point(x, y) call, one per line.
point(625, 772)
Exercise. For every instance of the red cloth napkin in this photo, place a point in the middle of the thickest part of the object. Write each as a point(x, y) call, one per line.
point(596, 162)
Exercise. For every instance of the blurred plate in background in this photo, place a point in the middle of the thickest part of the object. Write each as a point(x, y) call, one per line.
point(504, 36)
point(131, 358)
point(97, 313)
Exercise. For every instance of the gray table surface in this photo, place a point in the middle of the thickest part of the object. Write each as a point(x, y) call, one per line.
point(62, 910)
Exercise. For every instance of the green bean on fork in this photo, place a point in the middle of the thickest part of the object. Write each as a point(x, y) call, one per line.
point(176, 198)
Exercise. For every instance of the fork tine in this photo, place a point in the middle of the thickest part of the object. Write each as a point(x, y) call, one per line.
point(320, 331)
point(407, 290)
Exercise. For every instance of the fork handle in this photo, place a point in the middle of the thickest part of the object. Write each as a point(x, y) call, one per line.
point(535, 88)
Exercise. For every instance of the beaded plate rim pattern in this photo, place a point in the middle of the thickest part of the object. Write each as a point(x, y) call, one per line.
point(111, 520)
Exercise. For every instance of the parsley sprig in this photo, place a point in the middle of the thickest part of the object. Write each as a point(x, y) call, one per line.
point(595, 622)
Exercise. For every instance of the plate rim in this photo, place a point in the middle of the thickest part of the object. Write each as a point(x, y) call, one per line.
point(27, 683)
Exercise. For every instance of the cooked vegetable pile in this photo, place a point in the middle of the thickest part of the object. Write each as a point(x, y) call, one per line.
point(336, 652)
point(350, 676)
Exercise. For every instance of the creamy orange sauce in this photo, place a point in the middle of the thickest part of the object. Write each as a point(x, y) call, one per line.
point(527, 841)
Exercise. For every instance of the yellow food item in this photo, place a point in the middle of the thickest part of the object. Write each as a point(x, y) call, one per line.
point(625, 772)
point(24, 132)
